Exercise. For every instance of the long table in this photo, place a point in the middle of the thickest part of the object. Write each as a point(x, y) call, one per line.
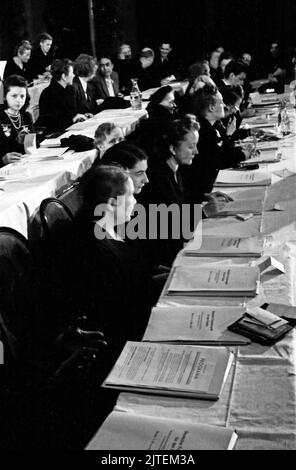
point(259, 397)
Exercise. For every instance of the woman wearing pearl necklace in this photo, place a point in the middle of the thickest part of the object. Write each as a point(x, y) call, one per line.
point(15, 122)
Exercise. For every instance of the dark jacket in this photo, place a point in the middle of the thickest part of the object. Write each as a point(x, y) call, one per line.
point(57, 107)
point(11, 139)
point(216, 153)
point(82, 104)
point(100, 86)
point(165, 68)
point(162, 189)
point(39, 62)
point(12, 69)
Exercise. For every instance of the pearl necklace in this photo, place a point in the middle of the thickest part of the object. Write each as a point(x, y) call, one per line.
point(15, 120)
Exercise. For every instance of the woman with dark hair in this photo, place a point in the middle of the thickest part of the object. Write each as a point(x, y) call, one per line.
point(230, 125)
point(161, 111)
point(117, 285)
point(15, 122)
point(215, 150)
point(42, 55)
point(133, 159)
point(18, 65)
point(57, 103)
point(176, 148)
point(162, 104)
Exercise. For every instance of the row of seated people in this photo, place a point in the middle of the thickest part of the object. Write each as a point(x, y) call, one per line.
point(95, 265)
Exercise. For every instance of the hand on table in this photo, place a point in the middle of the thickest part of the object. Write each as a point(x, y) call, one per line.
point(218, 196)
point(79, 118)
point(11, 157)
point(212, 208)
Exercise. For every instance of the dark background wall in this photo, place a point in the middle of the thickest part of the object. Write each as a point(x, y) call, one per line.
point(194, 26)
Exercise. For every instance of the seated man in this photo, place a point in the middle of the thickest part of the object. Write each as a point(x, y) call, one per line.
point(235, 74)
point(276, 68)
point(106, 81)
point(57, 104)
point(164, 66)
point(123, 66)
point(144, 71)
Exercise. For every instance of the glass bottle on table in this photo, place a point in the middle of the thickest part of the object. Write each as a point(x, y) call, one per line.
point(284, 121)
point(135, 95)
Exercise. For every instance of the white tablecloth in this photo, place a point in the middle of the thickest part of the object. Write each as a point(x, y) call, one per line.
point(21, 199)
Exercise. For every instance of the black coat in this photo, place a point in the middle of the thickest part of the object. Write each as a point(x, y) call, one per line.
point(56, 107)
point(39, 62)
point(216, 152)
point(162, 189)
point(12, 69)
point(83, 105)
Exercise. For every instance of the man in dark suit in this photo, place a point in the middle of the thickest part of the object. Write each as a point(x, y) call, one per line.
point(164, 66)
point(106, 81)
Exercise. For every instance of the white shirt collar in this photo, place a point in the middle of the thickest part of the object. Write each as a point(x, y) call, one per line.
point(171, 162)
point(84, 84)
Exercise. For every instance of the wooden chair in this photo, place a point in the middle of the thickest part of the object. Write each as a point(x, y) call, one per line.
point(72, 198)
point(55, 216)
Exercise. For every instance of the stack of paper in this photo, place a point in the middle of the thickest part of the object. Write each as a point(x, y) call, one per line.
point(194, 325)
point(43, 154)
point(242, 178)
point(129, 431)
point(212, 281)
point(225, 247)
point(173, 370)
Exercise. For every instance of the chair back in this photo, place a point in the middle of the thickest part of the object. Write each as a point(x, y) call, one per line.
point(55, 217)
point(72, 198)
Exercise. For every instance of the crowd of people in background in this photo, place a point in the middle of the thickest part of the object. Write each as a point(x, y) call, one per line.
point(173, 157)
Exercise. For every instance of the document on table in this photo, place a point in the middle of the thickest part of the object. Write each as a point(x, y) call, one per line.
point(173, 370)
point(130, 431)
point(194, 325)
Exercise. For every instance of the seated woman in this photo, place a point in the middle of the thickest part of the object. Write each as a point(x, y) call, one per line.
point(132, 159)
point(177, 148)
point(85, 67)
point(107, 135)
point(18, 65)
point(42, 56)
point(215, 150)
point(198, 75)
point(57, 104)
point(15, 122)
point(162, 111)
point(117, 284)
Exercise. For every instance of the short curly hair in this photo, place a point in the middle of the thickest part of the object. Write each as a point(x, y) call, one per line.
point(85, 65)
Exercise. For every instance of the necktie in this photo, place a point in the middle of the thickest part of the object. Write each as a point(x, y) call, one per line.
point(109, 84)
